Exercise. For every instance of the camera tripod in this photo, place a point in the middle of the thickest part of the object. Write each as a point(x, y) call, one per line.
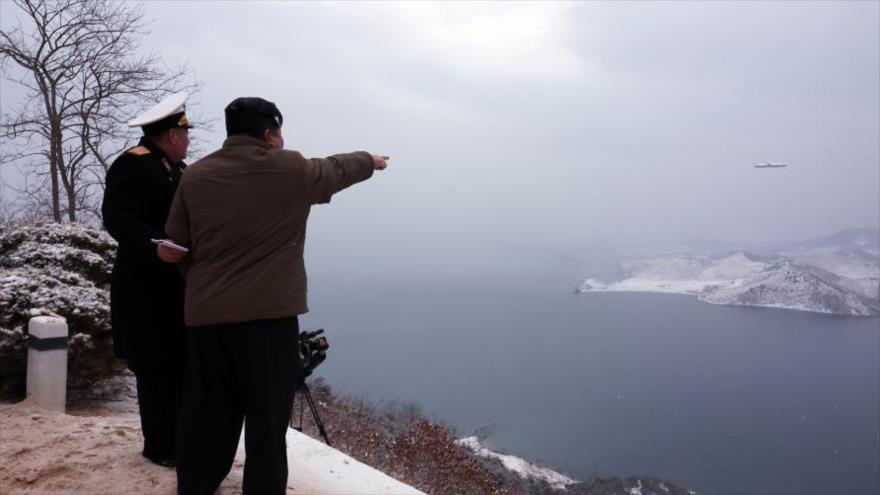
point(307, 397)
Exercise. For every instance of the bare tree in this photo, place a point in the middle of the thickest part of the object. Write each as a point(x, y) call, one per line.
point(79, 63)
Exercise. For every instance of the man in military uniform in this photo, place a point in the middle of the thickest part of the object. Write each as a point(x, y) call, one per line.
point(146, 294)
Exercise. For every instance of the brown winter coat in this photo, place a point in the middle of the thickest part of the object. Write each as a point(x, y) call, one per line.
point(242, 211)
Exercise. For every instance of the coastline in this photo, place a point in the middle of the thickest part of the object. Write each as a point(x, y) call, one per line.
point(643, 288)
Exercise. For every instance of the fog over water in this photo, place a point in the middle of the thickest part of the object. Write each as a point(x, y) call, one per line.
point(552, 125)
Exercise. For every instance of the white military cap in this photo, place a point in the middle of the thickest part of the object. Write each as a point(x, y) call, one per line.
point(167, 114)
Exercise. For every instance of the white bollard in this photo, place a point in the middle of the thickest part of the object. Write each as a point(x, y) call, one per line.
point(47, 362)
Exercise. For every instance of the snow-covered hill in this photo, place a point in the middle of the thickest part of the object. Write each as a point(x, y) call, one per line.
point(812, 275)
point(685, 274)
point(793, 286)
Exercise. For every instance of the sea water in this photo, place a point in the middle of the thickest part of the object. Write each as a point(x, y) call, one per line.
point(719, 399)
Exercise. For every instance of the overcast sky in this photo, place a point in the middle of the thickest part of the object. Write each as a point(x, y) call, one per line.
point(556, 125)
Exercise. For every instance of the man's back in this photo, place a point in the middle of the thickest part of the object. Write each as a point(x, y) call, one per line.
point(242, 211)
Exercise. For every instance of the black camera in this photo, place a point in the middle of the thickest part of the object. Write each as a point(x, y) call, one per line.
point(312, 350)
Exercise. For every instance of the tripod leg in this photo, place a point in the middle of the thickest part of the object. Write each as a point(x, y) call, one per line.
point(293, 413)
point(318, 422)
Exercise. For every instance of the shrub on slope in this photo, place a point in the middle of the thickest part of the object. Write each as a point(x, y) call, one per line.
point(399, 440)
point(55, 269)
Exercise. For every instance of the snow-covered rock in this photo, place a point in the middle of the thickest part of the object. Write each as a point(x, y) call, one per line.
point(55, 269)
point(519, 465)
point(861, 269)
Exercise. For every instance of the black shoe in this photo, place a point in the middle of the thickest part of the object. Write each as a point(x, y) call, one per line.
point(168, 462)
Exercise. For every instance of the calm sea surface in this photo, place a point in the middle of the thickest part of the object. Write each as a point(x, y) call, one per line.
point(720, 399)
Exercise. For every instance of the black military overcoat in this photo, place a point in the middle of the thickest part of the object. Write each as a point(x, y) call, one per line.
point(146, 294)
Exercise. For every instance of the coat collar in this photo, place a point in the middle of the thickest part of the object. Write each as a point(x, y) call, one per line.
point(153, 147)
point(160, 154)
point(245, 140)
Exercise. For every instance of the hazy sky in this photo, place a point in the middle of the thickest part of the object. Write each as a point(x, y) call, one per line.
point(556, 125)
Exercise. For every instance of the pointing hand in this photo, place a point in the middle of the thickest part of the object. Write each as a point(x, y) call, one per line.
point(379, 162)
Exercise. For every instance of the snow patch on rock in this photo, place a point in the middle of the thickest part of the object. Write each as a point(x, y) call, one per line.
point(519, 465)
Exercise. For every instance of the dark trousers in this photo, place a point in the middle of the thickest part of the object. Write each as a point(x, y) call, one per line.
point(238, 373)
point(158, 393)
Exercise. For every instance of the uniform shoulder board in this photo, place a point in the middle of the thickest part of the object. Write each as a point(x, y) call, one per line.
point(139, 151)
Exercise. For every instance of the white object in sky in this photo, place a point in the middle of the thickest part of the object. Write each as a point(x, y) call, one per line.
point(770, 165)
point(175, 103)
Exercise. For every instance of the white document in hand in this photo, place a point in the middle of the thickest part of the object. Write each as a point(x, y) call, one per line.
point(170, 244)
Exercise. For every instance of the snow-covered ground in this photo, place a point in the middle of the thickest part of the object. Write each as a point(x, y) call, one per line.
point(317, 468)
point(519, 465)
point(823, 278)
point(99, 453)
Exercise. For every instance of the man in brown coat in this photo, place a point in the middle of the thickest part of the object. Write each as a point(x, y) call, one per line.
point(242, 213)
